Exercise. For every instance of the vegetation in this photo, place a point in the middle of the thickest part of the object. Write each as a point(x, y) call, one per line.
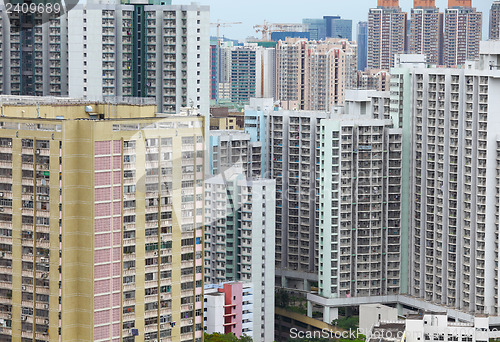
point(218, 337)
point(290, 302)
point(347, 323)
point(282, 298)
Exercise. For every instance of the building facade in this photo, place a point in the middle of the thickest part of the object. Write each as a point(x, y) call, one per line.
point(386, 34)
point(426, 31)
point(107, 49)
point(252, 72)
point(293, 156)
point(373, 79)
point(336, 27)
point(462, 32)
point(239, 241)
point(362, 45)
point(214, 69)
point(255, 125)
point(229, 309)
point(315, 75)
point(233, 149)
point(315, 27)
point(359, 209)
point(454, 180)
point(102, 218)
point(495, 21)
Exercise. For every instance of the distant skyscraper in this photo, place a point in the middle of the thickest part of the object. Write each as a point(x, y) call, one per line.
point(362, 45)
point(253, 70)
point(336, 27)
point(426, 31)
point(214, 69)
point(316, 28)
point(276, 36)
point(386, 34)
point(462, 32)
point(314, 75)
point(495, 21)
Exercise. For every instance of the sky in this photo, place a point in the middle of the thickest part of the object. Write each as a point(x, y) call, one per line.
point(254, 12)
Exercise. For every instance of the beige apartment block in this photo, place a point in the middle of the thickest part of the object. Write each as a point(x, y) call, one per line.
point(313, 75)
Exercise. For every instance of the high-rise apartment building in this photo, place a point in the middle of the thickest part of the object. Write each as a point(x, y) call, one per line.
point(101, 49)
point(495, 21)
point(256, 126)
point(214, 69)
point(239, 241)
point(359, 207)
point(454, 181)
point(293, 156)
point(362, 45)
point(225, 61)
point(233, 149)
point(229, 309)
point(34, 55)
point(462, 32)
point(253, 69)
point(102, 222)
point(386, 34)
point(371, 79)
point(314, 75)
point(426, 31)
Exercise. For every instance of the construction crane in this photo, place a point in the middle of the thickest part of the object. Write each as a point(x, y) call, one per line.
point(267, 27)
point(218, 24)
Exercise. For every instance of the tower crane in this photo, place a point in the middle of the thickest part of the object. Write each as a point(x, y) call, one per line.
point(220, 24)
point(267, 27)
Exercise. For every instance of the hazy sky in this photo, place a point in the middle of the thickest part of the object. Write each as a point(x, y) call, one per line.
point(253, 12)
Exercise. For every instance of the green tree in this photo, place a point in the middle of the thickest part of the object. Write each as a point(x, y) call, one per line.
point(282, 298)
point(218, 337)
point(347, 323)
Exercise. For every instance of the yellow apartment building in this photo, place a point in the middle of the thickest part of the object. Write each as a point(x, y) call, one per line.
point(101, 216)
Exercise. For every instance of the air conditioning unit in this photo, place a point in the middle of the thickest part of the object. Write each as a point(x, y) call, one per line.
point(23, 288)
point(155, 253)
point(46, 306)
point(1, 194)
point(190, 307)
point(1, 210)
point(162, 297)
point(37, 151)
point(23, 317)
point(46, 321)
point(190, 321)
point(163, 326)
